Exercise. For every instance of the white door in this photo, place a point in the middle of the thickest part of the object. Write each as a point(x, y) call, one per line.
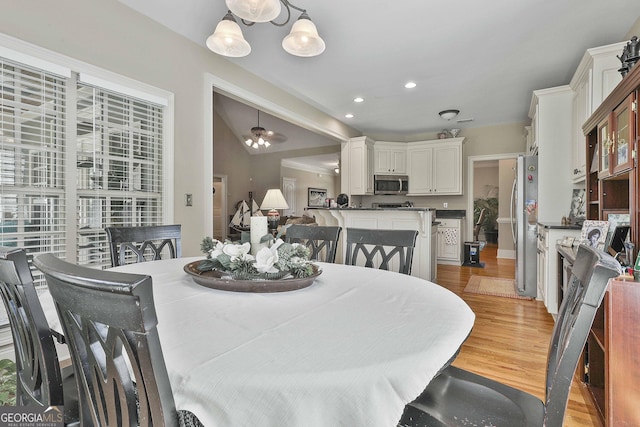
point(220, 220)
point(289, 193)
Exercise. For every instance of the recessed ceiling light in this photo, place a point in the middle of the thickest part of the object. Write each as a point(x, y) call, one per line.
point(349, 116)
point(410, 85)
point(358, 99)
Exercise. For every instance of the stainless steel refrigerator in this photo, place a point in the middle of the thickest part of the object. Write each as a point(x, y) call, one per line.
point(524, 224)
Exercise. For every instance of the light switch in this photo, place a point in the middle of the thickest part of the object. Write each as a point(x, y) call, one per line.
point(189, 199)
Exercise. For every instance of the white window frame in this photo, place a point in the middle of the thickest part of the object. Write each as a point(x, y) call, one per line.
point(38, 57)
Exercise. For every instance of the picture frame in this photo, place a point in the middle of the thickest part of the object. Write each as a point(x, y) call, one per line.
point(577, 211)
point(594, 233)
point(316, 197)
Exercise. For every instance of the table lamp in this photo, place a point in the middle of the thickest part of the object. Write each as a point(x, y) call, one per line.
point(274, 200)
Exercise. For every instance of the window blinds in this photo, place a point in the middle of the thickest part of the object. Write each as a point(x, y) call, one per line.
point(32, 156)
point(119, 167)
point(101, 160)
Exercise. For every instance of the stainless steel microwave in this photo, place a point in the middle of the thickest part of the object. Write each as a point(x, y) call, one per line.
point(391, 184)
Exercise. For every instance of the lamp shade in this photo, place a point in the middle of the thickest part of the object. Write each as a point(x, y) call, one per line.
point(227, 39)
point(303, 40)
point(274, 200)
point(255, 10)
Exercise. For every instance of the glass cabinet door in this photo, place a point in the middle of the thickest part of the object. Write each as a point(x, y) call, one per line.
point(623, 138)
point(604, 148)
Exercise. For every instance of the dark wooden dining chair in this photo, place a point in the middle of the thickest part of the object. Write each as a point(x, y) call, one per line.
point(379, 247)
point(109, 322)
point(39, 379)
point(128, 245)
point(321, 240)
point(458, 397)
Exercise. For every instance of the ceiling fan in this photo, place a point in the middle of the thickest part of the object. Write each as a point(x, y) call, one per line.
point(261, 137)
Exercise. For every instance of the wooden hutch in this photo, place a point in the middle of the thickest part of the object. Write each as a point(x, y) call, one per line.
point(611, 367)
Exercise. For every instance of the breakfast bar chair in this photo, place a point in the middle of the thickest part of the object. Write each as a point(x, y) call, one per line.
point(458, 397)
point(321, 240)
point(39, 380)
point(109, 322)
point(379, 248)
point(128, 245)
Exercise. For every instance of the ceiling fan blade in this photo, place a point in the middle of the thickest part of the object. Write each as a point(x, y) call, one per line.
point(277, 138)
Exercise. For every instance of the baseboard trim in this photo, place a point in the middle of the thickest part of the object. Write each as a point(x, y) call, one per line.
point(506, 253)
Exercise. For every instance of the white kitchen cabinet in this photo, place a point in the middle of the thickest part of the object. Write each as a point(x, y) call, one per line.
point(580, 109)
point(390, 158)
point(420, 170)
point(596, 76)
point(435, 167)
point(357, 158)
point(551, 111)
point(532, 137)
point(528, 130)
point(449, 241)
point(547, 279)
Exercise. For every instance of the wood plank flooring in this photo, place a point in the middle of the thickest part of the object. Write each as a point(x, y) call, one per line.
point(510, 338)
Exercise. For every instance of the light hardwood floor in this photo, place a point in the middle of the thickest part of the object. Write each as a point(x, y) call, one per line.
point(510, 338)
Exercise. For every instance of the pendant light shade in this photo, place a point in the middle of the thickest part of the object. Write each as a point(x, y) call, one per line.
point(227, 39)
point(255, 10)
point(303, 40)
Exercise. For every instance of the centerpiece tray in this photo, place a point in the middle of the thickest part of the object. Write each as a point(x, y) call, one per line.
point(222, 281)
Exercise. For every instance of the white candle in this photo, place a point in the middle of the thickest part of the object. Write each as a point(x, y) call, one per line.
point(258, 230)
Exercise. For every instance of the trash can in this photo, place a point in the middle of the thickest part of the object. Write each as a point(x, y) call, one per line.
point(472, 254)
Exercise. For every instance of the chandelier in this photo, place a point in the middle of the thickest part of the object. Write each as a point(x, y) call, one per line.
point(227, 40)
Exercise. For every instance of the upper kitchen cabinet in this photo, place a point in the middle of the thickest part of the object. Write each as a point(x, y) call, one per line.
point(357, 160)
point(528, 132)
point(594, 79)
point(605, 145)
point(623, 124)
point(435, 167)
point(390, 158)
point(552, 110)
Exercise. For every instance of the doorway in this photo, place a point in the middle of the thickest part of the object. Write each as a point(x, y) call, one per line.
point(490, 178)
point(289, 190)
point(220, 207)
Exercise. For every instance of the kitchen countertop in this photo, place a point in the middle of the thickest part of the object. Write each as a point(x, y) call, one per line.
point(559, 226)
point(451, 213)
point(377, 209)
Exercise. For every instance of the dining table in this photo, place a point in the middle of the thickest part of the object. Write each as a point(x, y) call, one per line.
point(351, 349)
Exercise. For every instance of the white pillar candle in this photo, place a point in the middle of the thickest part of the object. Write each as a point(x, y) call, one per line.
point(258, 230)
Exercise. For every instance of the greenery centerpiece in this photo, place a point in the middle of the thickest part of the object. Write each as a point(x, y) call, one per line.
point(276, 260)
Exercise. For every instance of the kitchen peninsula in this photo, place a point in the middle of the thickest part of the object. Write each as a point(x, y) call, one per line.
point(408, 218)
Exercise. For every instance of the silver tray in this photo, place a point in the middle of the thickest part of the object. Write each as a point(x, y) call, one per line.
point(215, 280)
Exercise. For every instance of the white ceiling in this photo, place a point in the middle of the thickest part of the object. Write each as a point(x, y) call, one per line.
point(482, 58)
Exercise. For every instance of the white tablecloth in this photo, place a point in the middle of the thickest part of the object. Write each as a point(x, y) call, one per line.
point(350, 350)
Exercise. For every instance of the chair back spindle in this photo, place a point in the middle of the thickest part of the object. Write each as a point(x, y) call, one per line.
point(456, 394)
point(588, 282)
point(109, 322)
point(129, 245)
point(321, 240)
point(379, 247)
point(39, 380)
